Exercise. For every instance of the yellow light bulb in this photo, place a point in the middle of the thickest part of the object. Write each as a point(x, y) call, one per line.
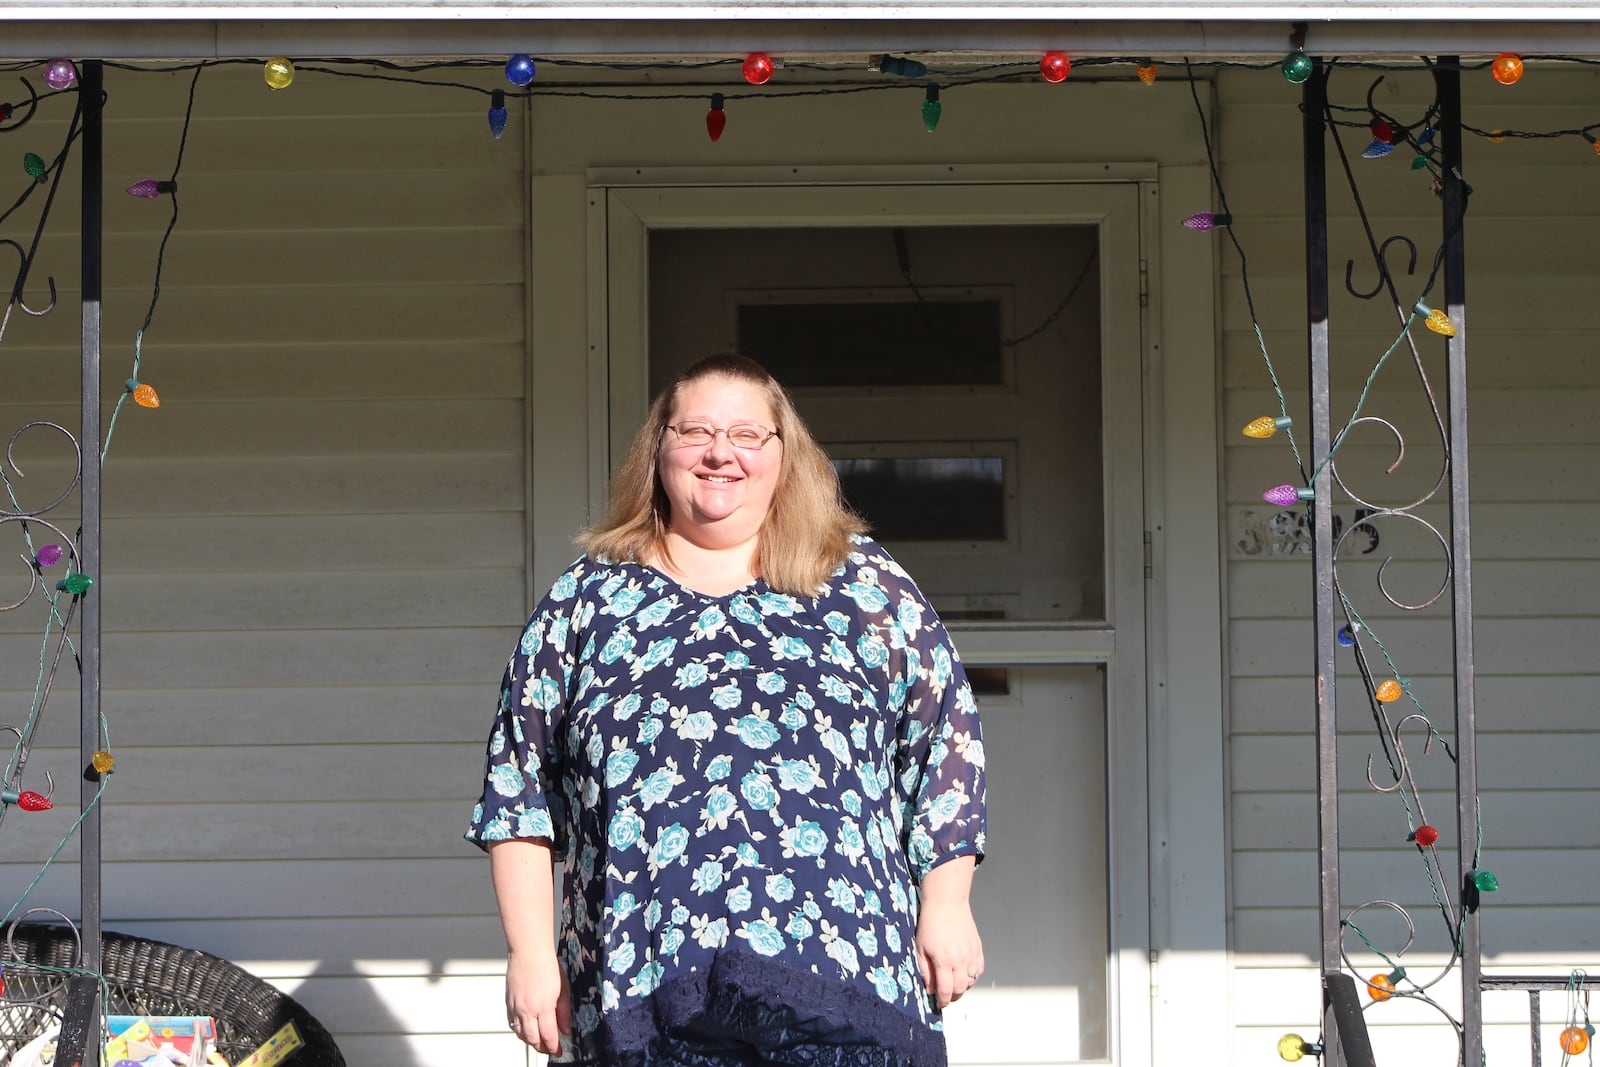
point(103, 762)
point(1435, 320)
point(1496, 137)
point(1147, 73)
point(1389, 691)
point(1292, 1047)
point(279, 72)
point(1266, 426)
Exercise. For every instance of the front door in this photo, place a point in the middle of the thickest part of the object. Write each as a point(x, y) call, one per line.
point(970, 357)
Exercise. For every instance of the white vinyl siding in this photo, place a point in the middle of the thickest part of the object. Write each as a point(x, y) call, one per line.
point(315, 551)
point(1534, 441)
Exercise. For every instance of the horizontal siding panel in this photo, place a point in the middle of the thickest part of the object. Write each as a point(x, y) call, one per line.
point(333, 658)
point(288, 601)
point(344, 543)
point(1519, 939)
point(1527, 817)
point(416, 711)
point(1552, 703)
point(259, 833)
point(371, 251)
point(301, 485)
point(1554, 877)
point(286, 368)
point(1565, 358)
point(421, 891)
point(288, 951)
point(1262, 589)
point(452, 315)
point(1276, 764)
point(1500, 473)
point(1526, 297)
point(330, 597)
point(1505, 416)
point(1502, 646)
point(324, 428)
point(216, 776)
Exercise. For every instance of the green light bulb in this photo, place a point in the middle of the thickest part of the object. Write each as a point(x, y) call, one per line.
point(34, 165)
point(931, 109)
point(1297, 67)
point(1485, 881)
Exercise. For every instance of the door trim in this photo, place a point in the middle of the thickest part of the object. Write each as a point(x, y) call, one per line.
point(620, 314)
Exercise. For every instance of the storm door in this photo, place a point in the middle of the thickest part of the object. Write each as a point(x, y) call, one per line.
point(970, 357)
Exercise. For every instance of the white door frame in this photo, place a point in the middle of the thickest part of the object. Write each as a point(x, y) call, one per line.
point(1188, 995)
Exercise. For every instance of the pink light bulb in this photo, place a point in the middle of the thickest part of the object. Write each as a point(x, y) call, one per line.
point(1206, 220)
point(49, 556)
point(60, 74)
point(150, 188)
point(1287, 495)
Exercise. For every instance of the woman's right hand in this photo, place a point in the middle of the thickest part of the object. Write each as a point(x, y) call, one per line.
point(538, 999)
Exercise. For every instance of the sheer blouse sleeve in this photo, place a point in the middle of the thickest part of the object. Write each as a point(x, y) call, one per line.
point(937, 757)
point(522, 795)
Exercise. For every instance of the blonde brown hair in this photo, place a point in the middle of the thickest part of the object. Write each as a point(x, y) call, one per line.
point(806, 535)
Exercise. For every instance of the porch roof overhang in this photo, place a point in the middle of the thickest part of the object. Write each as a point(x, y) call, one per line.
point(164, 29)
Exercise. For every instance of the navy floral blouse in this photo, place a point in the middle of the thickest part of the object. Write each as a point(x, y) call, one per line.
point(746, 790)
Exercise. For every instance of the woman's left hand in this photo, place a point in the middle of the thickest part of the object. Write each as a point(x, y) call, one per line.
point(949, 950)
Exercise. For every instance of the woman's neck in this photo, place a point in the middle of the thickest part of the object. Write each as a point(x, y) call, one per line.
point(708, 569)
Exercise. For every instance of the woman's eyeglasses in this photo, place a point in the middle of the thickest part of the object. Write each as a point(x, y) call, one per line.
point(740, 435)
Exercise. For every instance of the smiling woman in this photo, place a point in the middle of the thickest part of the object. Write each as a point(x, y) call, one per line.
point(744, 729)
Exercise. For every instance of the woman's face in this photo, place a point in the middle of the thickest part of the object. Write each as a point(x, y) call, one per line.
point(719, 493)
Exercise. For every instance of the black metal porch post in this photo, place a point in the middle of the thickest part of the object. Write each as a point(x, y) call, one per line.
point(1448, 77)
point(1314, 100)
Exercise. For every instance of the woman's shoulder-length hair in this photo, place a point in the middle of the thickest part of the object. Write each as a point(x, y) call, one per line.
point(806, 536)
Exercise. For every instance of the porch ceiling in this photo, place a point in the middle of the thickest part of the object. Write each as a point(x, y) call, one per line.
point(669, 31)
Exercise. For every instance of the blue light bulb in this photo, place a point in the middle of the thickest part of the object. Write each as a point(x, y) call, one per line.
point(519, 69)
point(497, 114)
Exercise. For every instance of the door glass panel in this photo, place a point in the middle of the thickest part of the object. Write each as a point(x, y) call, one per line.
point(953, 340)
point(933, 498)
point(952, 373)
point(1041, 903)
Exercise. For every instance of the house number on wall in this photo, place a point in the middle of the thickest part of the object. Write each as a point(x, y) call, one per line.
point(1289, 533)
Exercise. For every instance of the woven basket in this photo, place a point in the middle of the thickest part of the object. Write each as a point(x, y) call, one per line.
point(147, 977)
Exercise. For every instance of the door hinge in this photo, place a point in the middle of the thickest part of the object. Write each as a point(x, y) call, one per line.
point(1149, 556)
point(1144, 283)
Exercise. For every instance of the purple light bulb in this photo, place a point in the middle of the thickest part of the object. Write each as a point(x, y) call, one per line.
point(49, 556)
point(60, 74)
point(150, 188)
point(1285, 495)
point(1206, 220)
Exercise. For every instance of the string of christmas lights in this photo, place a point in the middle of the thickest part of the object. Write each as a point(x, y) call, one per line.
point(1381, 692)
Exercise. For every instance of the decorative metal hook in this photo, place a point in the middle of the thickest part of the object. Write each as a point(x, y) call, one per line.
point(7, 109)
point(23, 304)
point(1384, 275)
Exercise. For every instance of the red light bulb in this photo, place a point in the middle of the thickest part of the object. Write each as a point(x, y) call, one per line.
point(757, 68)
point(716, 118)
point(31, 801)
point(1426, 835)
point(1382, 131)
point(1055, 66)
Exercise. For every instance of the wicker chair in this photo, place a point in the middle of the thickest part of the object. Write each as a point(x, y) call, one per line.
point(147, 977)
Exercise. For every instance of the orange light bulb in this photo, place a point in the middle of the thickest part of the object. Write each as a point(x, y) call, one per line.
point(1507, 68)
point(1389, 691)
point(1574, 1040)
point(1147, 73)
point(1379, 987)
